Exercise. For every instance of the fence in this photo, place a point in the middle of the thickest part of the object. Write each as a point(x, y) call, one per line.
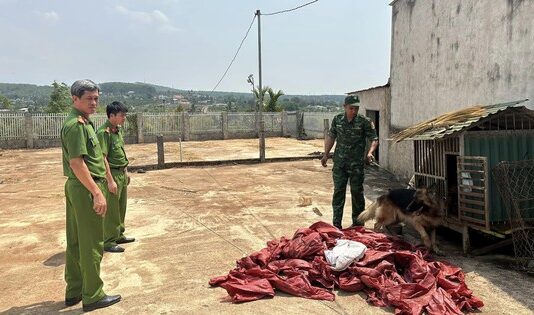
point(39, 130)
point(515, 181)
point(314, 123)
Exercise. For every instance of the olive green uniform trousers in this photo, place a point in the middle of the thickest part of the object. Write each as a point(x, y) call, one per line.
point(85, 243)
point(114, 219)
point(342, 175)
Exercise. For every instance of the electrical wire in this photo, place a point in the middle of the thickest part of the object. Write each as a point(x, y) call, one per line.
point(289, 10)
point(236, 53)
point(246, 35)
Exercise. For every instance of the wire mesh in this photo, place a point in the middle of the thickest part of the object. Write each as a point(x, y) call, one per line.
point(515, 181)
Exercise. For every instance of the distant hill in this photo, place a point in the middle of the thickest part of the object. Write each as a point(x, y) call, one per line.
point(145, 96)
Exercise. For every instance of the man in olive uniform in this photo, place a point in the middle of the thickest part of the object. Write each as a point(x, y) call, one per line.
point(351, 132)
point(111, 138)
point(85, 192)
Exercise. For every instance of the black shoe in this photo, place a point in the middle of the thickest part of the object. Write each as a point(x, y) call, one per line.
point(125, 240)
point(356, 225)
point(106, 301)
point(72, 301)
point(114, 249)
point(338, 226)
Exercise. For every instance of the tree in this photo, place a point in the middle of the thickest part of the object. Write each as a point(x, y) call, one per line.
point(60, 100)
point(260, 95)
point(5, 103)
point(272, 104)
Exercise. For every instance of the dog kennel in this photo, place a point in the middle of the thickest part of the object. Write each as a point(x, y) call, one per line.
point(457, 151)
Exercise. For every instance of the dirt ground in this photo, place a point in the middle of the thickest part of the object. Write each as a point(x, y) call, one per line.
point(192, 224)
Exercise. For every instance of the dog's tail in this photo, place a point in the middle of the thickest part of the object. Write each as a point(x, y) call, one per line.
point(368, 213)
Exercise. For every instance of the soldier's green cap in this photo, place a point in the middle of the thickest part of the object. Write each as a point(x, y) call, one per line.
point(352, 100)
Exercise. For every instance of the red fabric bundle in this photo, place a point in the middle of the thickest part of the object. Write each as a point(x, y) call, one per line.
point(392, 272)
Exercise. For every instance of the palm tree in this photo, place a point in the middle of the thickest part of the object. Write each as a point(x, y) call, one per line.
point(272, 105)
point(260, 95)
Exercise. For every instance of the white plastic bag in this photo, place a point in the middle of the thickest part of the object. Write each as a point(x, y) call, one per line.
point(344, 253)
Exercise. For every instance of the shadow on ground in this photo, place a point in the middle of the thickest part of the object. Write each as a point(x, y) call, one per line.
point(48, 307)
point(55, 260)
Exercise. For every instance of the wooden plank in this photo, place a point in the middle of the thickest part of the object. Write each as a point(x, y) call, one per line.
point(425, 155)
point(416, 159)
point(474, 158)
point(486, 196)
point(472, 202)
point(473, 220)
point(441, 159)
point(475, 171)
point(438, 158)
point(473, 194)
point(461, 144)
point(458, 178)
point(429, 175)
point(472, 187)
point(465, 206)
point(466, 243)
point(470, 210)
point(471, 164)
point(420, 155)
point(428, 161)
point(415, 155)
point(433, 155)
point(492, 247)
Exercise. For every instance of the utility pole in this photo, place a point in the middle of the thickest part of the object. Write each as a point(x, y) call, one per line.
point(261, 132)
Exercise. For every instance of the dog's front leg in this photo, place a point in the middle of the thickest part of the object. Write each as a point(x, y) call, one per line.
point(435, 248)
point(424, 235)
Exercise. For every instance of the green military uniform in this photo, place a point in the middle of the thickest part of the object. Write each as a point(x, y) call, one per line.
point(351, 139)
point(112, 143)
point(85, 236)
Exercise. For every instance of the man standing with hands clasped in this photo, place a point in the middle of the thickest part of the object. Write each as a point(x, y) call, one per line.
point(85, 192)
point(111, 138)
point(351, 132)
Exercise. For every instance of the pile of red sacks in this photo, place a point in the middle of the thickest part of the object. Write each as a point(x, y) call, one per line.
point(392, 273)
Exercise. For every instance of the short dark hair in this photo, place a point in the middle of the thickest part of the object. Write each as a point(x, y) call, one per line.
point(115, 108)
point(79, 87)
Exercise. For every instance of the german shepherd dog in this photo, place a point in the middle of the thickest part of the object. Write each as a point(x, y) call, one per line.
point(421, 208)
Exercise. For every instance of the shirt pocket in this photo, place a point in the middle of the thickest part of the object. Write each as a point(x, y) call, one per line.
point(355, 133)
point(94, 141)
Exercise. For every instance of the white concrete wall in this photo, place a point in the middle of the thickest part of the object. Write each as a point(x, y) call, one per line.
point(452, 54)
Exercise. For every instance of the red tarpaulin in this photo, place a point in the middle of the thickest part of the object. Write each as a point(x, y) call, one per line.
point(392, 273)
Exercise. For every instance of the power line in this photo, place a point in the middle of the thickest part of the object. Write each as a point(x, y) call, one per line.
point(237, 52)
point(246, 34)
point(289, 10)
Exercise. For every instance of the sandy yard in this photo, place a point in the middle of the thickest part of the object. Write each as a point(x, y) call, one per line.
point(192, 224)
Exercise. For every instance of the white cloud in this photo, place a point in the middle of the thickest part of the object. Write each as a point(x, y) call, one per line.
point(169, 28)
point(155, 17)
point(51, 16)
point(158, 15)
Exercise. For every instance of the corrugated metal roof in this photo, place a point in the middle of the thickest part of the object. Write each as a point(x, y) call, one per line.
point(440, 132)
point(368, 89)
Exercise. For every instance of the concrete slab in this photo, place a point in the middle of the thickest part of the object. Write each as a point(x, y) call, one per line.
point(191, 225)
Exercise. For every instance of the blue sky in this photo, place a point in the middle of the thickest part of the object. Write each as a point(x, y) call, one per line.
point(329, 47)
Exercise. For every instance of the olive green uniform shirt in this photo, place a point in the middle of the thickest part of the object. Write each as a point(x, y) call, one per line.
point(78, 139)
point(112, 143)
point(351, 139)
